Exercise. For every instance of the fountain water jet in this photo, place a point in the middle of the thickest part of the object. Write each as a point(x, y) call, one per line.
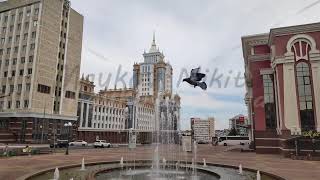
point(204, 162)
point(258, 175)
point(240, 169)
point(177, 166)
point(121, 162)
point(164, 161)
point(83, 168)
point(56, 174)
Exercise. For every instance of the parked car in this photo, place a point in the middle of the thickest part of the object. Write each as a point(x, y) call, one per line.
point(101, 144)
point(78, 143)
point(60, 144)
point(203, 142)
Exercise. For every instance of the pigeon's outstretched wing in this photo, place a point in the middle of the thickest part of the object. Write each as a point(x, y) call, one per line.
point(195, 71)
point(188, 80)
point(202, 85)
point(195, 75)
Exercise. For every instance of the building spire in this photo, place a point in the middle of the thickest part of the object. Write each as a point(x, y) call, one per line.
point(154, 38)
point(153, 45)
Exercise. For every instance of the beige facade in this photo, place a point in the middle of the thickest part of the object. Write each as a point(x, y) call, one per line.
point(40, 58)
point(203, 129)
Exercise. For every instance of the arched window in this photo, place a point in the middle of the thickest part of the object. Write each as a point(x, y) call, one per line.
point(304, 86)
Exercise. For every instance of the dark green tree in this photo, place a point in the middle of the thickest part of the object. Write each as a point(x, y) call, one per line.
point(233, 132)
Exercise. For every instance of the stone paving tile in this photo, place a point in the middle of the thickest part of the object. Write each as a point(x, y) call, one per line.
point(12, 168)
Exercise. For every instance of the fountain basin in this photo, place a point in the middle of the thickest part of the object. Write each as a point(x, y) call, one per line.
point(113, 169)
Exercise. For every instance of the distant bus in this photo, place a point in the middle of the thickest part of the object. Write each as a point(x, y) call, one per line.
point(233, 140)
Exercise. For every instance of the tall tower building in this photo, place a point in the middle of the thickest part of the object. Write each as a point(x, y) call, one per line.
point(153, 74)
point(40, 55)
point(152, 81)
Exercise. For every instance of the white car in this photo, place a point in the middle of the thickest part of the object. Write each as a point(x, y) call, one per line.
point(78, 143)
point(101, 144)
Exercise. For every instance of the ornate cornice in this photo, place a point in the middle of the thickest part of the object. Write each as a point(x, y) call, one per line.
point(249, 41)
point(299, 29)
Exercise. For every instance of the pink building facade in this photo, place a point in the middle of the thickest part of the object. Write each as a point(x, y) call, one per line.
point(282, 70)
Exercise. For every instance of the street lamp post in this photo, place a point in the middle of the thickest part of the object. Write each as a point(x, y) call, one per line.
point(68, 125)
point(313, 146)
point(41, 127)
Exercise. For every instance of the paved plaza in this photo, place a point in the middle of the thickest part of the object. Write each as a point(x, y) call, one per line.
point(17, 167)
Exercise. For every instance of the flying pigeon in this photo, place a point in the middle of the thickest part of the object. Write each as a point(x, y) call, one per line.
point(195, 79)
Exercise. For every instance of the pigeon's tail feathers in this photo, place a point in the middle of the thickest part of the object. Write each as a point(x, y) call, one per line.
point(203, 85)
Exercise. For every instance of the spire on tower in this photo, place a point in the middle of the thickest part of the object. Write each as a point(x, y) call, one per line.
point(153, 45)
point(154, 38)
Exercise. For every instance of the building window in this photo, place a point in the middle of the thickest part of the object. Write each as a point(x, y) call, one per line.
point(36, 11)
point(30, 59)
point(1, 107)
point(70, 94)
point(5, 74)
point(23, 59)
point(35, 23)
point(32, 46)
point(28, 13)
point(28, 86)
point(17, 38)
point(43, 89)
point(20, 16)
point(19, 88)
point(17, 104)
point(21, 72)
point(7, 62)
point(269, 101)
point(29, 71)
point(33, 35)
point(9, 104)
point(3, 89)
point(13, 73)
point(25, 36)
point(11, 88)
point(304, 86)
point(301, 49)
point(24, 48)
point(26, 25)
point(26, 103)
point(19, 27)
point(14, 61)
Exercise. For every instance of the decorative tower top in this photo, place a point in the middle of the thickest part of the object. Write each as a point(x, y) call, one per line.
point(153, 45)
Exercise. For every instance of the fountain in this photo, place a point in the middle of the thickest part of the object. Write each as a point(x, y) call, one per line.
point(164, 162)
point(240, 169)
point(121, 162)
point(83, 168)
point(155, 163)
point(177, 167)
point(165, 152)
point(204, 162)
point(258, 175)
point(56, 174)
point(194, 159)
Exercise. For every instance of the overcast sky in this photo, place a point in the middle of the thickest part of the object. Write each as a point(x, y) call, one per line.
point(190, 33)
